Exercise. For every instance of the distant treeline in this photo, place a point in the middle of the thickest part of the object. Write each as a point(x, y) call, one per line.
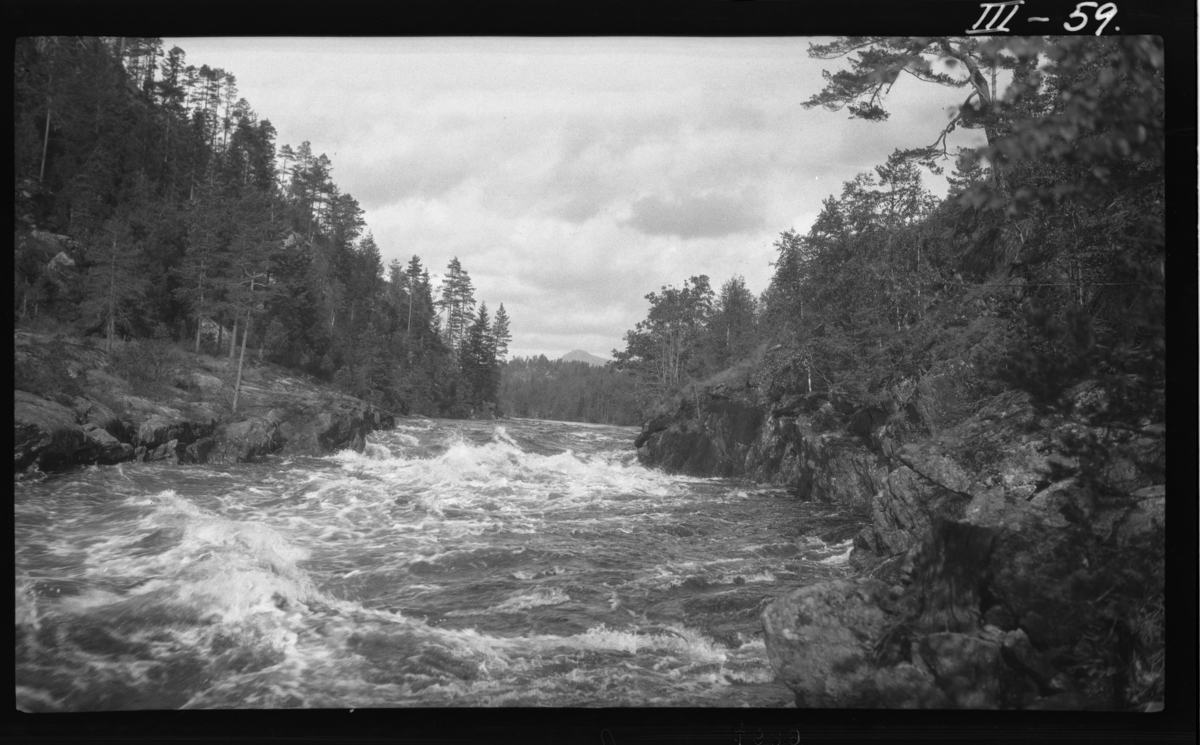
point(569, 391)
point(177, 217)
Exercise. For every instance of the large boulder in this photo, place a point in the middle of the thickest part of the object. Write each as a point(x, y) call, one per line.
point(44, 432)
point(315, 426)
point(821, 641)
point(90, 412)
point(245, 441)
point(101, 447)
point(198, 451)
point(862, 643)
point(158, 429)
point(966, 667)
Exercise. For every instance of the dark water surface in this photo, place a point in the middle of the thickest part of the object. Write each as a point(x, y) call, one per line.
point(451, 564)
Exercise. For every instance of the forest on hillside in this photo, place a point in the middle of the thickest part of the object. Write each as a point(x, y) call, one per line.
point(152, 203)
point(1042, 269)
point(567, 391)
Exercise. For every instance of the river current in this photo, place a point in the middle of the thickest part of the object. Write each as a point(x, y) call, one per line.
point(512, 563)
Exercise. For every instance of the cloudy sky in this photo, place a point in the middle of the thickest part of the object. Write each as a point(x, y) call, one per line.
point(572, 176)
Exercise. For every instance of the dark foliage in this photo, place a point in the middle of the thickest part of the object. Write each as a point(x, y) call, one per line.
point(176, 215)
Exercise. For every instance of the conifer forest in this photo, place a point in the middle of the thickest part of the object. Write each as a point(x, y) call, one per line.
point(183, 219)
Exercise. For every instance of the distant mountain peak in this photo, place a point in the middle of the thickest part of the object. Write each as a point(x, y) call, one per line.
point(578, 355)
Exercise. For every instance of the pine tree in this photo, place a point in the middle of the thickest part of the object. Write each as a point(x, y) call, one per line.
point(477, 360)
point(249, 285)
point(202, 272)
point(458, 300)
point(500, 334)
point(115, 278)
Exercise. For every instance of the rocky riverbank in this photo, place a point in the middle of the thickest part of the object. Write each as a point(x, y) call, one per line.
point(73, 406)
point(992, 574)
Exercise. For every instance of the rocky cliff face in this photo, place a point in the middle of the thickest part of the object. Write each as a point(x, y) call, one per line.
point(104, 419)
point(990, 574)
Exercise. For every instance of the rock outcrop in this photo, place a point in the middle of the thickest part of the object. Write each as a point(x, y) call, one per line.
point(45, 432)
point(184, 421)
point(1009, 616)
point(991, 573)
point(717, 444)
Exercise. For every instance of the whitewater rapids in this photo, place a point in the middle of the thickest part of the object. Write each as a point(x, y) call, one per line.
point(521, 563)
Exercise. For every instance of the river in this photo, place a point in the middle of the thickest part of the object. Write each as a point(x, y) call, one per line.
point(511, 563)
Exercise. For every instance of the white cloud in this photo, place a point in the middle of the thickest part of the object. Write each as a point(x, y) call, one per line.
point(573, 176)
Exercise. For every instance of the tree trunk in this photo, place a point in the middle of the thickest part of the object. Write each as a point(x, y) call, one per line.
point(199, 317)
point(45, 146)
point(233, 338)
point(987, 100)
point(112, 293)
point(237, 386)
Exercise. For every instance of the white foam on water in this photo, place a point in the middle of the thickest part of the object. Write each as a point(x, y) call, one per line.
point(527, 574)
point(842, 558)
point(26, 604)
point(520, 602)
point(501, 435)
point(376, 452)
point(764, 576)
point(231, 568)
point(674, 638)
point(466, 474)
point(247, 557)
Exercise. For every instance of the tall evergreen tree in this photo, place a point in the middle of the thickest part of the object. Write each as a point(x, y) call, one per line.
point(477, 361)
point(458, 301)
point(500, 333)
point(202, 273)
point(115, 278)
